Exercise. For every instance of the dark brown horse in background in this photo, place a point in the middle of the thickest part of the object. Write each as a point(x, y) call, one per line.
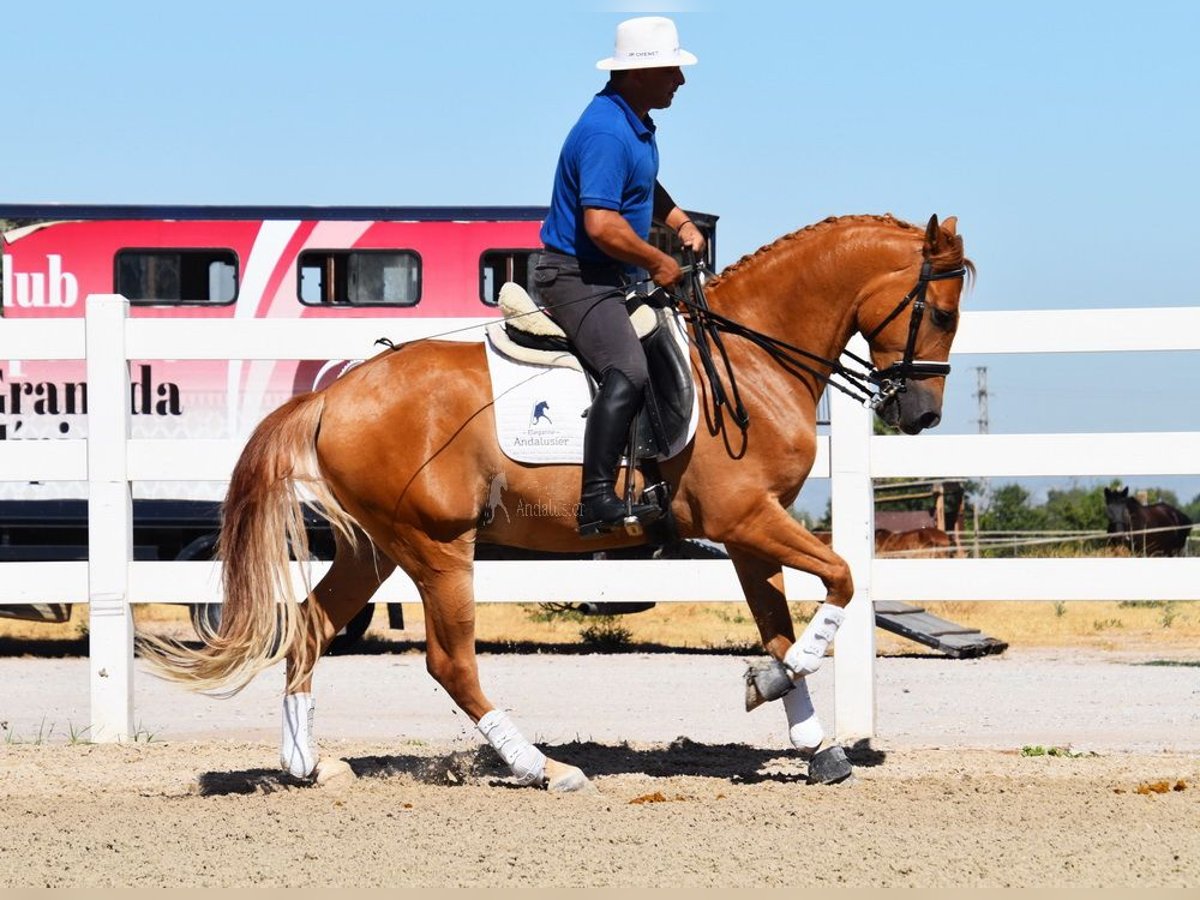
point(1158, 529)
point(405, 480)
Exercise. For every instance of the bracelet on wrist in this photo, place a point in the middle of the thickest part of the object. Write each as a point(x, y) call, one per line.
point(679, 228)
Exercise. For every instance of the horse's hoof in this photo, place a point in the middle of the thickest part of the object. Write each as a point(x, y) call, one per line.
point(564, 779)
point(300, 771)
point(829, 766)
point(333, 773)
point(766, 680)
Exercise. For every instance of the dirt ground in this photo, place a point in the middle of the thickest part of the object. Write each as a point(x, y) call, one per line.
point(677, 815)
point(688, 789)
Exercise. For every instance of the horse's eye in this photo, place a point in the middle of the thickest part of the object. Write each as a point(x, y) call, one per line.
point(942, 319)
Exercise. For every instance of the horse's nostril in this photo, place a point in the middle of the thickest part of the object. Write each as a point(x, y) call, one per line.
point(929, 420)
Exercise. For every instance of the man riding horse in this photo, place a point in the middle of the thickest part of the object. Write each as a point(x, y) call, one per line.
point(424, 503)
point(606, 192)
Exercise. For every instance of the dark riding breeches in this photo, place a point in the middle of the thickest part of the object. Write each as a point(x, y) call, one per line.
point(587, 302)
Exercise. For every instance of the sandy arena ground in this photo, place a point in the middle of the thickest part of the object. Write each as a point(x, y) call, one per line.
point(689, 790)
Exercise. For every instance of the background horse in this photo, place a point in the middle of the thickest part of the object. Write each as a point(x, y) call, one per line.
point(919, 542)
point(1155, 530)
point(405, 482)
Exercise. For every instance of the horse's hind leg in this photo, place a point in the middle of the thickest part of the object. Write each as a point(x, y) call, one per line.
point(351, 581)
point(445, 580)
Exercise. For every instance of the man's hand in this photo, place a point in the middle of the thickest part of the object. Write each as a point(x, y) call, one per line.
point(693, 237)
point(666, 271)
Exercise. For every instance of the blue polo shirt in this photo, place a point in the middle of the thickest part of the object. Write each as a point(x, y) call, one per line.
point(610, 161)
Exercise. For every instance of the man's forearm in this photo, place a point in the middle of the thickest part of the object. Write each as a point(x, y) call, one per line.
point(611, 233)
point(666, 210)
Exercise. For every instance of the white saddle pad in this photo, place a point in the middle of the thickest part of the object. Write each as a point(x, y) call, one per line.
point(540, 411)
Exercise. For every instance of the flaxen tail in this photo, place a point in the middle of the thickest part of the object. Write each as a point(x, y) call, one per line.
point(262, 618)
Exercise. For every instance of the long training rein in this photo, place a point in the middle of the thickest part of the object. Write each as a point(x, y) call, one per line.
point(870, 386)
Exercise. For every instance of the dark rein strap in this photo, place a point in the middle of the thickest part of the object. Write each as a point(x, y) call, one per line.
point(870, 386)
point(707, 326)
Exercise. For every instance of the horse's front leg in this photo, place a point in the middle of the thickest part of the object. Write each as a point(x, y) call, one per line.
point(351, 581)
point(759, 546)
point(762, 583)
point(770, 534)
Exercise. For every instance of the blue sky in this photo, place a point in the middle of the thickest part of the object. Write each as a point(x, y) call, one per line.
point(1063, 135)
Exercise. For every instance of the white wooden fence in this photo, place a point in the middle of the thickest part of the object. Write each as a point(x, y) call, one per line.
point(110, 581)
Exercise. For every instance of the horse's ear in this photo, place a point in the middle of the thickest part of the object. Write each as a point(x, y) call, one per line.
point(950, 225)
point(932, 234)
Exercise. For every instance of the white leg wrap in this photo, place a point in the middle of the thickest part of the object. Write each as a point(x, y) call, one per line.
point(527, 762)
point(804, 657)
point(298, 752)
point(804, 728)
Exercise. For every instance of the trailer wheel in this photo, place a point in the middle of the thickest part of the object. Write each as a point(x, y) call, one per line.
point(206, 617)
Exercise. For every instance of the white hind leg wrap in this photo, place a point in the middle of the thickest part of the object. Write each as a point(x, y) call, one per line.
point(527, 762)
point(804, 728)
point(804, 657)
point(298, 752)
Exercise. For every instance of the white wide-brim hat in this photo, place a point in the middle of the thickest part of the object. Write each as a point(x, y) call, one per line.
point(648, 42)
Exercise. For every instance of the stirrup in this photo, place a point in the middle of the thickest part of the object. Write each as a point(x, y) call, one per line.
point(632, 524)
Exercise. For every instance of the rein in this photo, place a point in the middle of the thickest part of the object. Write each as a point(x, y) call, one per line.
point(872, 387)
point(869, 386)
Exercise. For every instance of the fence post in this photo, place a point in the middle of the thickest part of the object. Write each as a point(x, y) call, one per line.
point(853, 510)
point(110, 520)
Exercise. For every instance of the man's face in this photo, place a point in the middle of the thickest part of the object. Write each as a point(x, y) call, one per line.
point(658, 86)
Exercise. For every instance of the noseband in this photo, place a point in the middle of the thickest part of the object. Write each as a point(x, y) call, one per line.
point(872, 387)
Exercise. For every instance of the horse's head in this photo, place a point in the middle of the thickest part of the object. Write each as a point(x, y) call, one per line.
point(910, 334)
point(1116, 506)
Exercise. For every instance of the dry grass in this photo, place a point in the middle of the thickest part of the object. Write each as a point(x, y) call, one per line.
point(728, 626)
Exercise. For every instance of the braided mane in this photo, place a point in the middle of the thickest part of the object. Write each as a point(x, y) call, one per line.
point(824, 224)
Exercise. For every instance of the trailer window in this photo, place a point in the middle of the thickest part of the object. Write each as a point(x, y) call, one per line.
point(177, 276)
point(498, 266)
point(360, 277)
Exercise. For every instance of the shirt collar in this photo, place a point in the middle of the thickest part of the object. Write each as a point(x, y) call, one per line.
point(641, 127)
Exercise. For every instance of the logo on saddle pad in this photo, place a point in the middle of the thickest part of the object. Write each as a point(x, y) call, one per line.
point(539, 431)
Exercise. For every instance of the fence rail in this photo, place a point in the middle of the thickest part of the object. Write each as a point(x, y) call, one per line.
point(109, 461)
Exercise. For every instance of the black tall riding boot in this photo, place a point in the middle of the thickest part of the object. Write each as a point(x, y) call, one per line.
point(605, 437)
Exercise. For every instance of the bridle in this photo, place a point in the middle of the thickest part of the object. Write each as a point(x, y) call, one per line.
point(872, 387)
point(894, 379)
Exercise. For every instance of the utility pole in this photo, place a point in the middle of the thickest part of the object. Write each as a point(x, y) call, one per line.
point(981, 395)
point(985, 486)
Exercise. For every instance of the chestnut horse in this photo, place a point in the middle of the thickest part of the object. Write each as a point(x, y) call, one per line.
point(401, 455)
point(919, 542)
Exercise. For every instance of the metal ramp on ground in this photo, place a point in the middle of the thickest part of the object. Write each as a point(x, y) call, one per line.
point(914, 623)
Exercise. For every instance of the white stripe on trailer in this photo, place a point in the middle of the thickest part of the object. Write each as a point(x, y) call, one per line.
point(268, 247)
